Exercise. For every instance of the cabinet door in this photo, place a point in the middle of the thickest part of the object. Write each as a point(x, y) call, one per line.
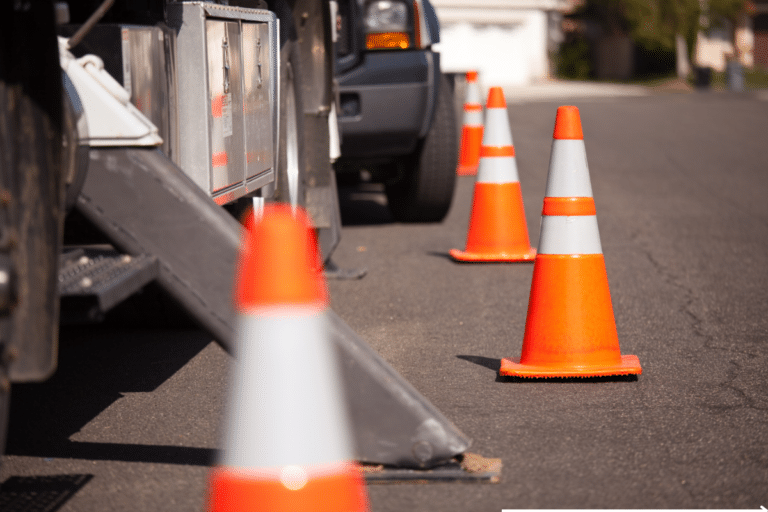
point(256, 91)
point(226, 100)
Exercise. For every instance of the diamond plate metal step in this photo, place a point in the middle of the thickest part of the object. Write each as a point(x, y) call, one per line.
point(93, 280)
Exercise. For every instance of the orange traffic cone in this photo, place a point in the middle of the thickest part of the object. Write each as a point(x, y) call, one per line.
point(472, 129)
point(497, 229)
point(287, 442)
point(570, 330)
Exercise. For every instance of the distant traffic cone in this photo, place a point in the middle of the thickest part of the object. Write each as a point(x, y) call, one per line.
point(497, 229)
point(570, 330)
point(472, 128)
point(287, 441)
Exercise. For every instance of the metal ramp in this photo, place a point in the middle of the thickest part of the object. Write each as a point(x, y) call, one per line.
point(150, 210)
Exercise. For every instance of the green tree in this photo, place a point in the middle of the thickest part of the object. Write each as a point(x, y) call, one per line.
point(727, 10)
point(656, 26)
point(651, 23)
point(662, 24)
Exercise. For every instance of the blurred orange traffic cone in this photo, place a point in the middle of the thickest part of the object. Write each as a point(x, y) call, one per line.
point(287, 441)
point(497, 229)
point(472, 129)
point(570, 330)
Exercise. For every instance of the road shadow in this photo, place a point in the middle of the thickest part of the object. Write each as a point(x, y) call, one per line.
point(447, 256)
point(444, 255)
point(492, 363)
point(40, 493)
point(124, 452)
point(363, 204)
point(97, 366)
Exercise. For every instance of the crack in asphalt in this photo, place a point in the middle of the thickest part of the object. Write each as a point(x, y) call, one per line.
point(709, 342)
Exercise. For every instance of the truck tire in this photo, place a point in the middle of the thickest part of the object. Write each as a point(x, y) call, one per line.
point(5, 404)
point(31, 195)
point(424, 190)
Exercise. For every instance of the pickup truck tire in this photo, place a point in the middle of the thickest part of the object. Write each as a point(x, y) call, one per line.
point(427, 177)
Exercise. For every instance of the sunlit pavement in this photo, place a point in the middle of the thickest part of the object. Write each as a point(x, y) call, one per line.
point(131, 419)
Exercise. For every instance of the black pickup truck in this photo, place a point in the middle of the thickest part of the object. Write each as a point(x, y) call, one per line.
point(396, 115)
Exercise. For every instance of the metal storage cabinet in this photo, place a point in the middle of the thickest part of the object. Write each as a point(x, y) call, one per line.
point(225, 145)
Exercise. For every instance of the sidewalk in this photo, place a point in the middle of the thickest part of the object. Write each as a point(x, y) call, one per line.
point(563, 89)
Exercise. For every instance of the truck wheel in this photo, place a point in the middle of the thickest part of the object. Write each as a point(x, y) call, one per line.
point(5, 402)
point(424, 191)
point(31, 195)
point(290, 161)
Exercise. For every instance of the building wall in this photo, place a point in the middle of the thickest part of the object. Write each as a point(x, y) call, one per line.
point(506, 41)
point(712, 50)
point(715, 48)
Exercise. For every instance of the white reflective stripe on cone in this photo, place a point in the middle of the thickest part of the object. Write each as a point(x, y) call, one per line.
point(473, 93)
point(568, 171)
point(290, 406)
point(497, 131)
point(574, 234)
point(497, 169)
point(473, 118)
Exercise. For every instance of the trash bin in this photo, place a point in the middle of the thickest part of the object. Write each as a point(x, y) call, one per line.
point(703, 77)
point(734, 76)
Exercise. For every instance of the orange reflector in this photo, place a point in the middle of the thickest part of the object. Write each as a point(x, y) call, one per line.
point(217, 106)
point(220, 159)
point(387, 40)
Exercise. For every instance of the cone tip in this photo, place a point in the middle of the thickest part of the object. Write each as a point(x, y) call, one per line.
point(568, 123)
point(496, 98)
point(471, 76)
point(279, 261)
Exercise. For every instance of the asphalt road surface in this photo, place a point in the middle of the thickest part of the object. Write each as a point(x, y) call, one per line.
point(130, 421)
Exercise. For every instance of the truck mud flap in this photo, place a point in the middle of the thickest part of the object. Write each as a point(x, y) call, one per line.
point(148, 207)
